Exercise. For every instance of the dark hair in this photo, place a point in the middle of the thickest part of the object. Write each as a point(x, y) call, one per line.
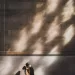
point(27, 64)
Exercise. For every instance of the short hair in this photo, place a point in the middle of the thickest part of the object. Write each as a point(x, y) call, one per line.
point(27, 64)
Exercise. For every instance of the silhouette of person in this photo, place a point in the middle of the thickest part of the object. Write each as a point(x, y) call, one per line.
point(28, 69)
point(18, 73)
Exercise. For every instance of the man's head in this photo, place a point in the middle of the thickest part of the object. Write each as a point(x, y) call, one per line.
point(27, 64)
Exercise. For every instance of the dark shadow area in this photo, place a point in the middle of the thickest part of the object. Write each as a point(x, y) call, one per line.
point(65, 66)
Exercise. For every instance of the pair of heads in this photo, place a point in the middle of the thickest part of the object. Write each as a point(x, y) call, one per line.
point(26, 65)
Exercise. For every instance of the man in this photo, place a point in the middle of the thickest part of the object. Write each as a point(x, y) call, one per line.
point(28, 69)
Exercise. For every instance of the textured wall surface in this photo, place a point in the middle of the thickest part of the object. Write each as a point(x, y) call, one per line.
point(37, 27)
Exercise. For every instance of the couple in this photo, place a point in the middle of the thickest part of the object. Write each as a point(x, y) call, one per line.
point(28, 70)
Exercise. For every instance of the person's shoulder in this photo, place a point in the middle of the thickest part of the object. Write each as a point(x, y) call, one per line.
point(31, 67)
